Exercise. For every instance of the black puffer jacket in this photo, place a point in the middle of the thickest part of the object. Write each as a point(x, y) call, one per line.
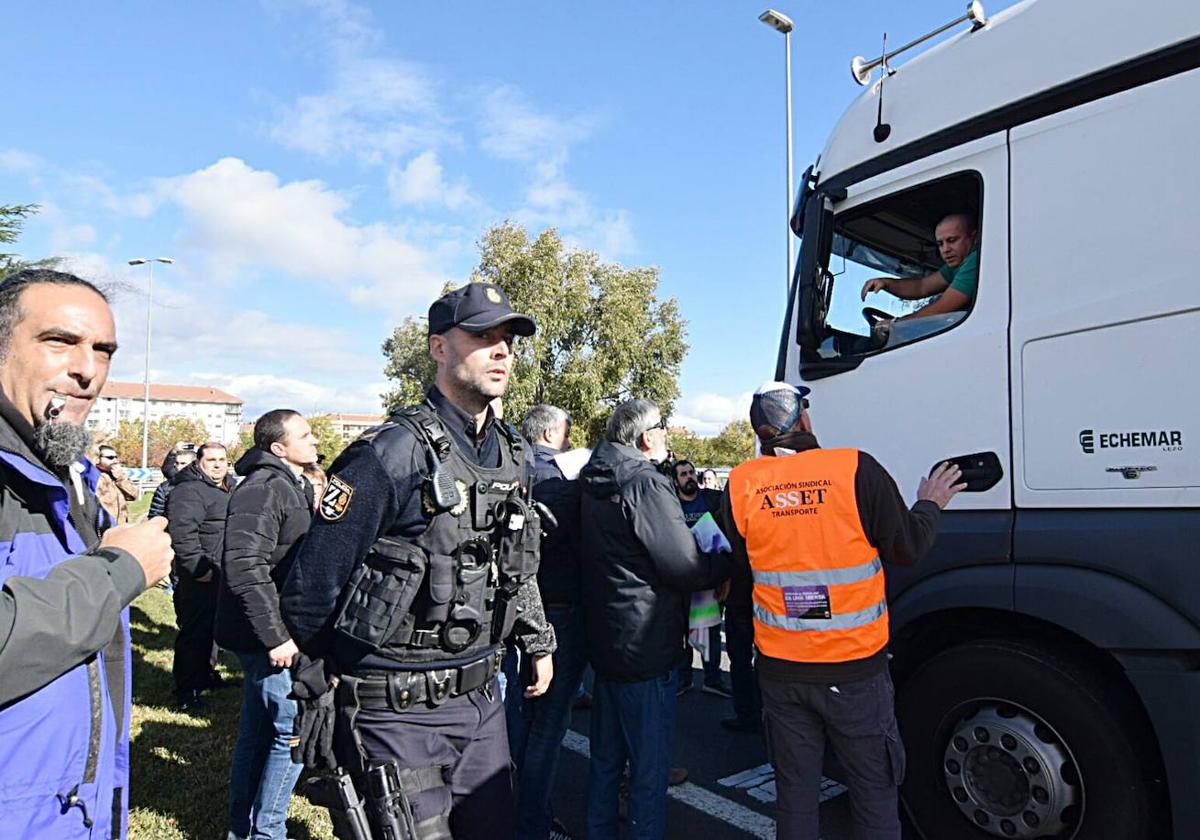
point(196, 522)
point(640, 564)
point(268, 515)
point(558, 573)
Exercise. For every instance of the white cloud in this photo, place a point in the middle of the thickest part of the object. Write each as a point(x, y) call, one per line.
point(263, 392)
point(69, 237)
point(421, 181)
point(17, 162)
point(241, 217)
point(376, 110)
point(708, 413)
point(516, 130)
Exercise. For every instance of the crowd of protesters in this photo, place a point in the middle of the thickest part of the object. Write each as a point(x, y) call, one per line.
point(638, 555)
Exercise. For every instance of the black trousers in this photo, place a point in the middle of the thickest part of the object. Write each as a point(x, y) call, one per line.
point(739, 643)
point(466, 734)
point(859, 720)
point(195, 650)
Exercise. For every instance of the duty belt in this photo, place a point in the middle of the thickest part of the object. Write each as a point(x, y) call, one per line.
point(400, 690)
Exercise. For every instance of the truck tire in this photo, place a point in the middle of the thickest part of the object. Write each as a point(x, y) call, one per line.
point(1007, 740)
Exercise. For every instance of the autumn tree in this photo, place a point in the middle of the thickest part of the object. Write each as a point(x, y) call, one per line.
point(165, 433)
point(329, 440)
point(244, 444)
point(603, 334)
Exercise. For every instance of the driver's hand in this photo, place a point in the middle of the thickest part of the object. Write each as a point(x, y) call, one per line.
point(875, 284)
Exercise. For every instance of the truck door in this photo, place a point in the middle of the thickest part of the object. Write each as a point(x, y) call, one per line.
point(922, 390)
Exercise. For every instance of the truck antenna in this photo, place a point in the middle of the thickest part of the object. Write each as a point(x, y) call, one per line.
point(882, 130)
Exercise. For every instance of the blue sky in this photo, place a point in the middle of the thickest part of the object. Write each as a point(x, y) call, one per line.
point(319, 169)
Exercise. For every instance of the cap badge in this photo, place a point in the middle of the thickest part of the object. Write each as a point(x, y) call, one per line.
point(492, 295)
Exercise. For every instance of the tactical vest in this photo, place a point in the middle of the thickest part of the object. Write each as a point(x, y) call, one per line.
point(446, 594)
point(818, 582)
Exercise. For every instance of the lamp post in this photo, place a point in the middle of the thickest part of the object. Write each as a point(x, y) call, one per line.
point(149, 263)
point(782, 23)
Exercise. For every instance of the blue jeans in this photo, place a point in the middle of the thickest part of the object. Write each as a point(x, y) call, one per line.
point(536, 729)
point(262, 776)
point(632, 722)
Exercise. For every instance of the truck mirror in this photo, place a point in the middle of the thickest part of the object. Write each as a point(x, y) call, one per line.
point(814, 283)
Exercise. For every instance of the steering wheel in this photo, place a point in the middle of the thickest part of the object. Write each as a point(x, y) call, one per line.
point(876, 316)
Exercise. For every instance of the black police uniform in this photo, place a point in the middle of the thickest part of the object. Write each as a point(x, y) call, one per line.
point(441, 517)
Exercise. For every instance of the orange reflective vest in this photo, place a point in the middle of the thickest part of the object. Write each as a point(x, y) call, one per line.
point(818, 582)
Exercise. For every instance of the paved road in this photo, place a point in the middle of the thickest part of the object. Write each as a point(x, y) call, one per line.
point(730, 791)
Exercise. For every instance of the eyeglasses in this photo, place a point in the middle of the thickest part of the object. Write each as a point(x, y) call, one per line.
point(661, 424)
point(108, 458)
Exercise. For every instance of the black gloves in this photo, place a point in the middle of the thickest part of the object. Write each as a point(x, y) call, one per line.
point(312, 733)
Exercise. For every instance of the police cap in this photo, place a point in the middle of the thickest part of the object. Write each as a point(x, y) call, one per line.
point(476, 308)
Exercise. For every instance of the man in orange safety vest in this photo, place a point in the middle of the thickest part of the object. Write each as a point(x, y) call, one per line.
point(815, 527)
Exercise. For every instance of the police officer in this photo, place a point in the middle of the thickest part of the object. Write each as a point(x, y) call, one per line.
point(814, 525)
point(420, 562)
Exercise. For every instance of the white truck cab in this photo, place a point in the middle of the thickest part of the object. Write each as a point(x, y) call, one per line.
point(1047, 651)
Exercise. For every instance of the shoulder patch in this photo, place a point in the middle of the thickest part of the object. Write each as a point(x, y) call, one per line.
point(336, 499)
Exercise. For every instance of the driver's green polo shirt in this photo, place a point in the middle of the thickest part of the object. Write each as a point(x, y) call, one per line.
point(965, 278)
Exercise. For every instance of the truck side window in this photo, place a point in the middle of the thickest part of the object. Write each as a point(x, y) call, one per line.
point(905, 267)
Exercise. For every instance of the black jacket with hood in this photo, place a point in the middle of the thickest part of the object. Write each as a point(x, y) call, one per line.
point(268, 515)
point(558, 572)
point(640, 565)
point(196, 522)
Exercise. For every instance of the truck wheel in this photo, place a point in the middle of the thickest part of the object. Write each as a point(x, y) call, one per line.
point(1007, 740)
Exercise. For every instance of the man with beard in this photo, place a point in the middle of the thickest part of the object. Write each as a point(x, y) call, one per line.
point(696, 502)
point(420, 564)
point(114, 490)
point(196, 515)
point(64, 588)
point(640, 564)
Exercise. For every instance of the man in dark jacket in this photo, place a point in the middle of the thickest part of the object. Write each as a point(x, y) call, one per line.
point(196, 523)
point(537, 726)
point(64, 588)
point(640, 564)
point(268, 514)
point(176, 460)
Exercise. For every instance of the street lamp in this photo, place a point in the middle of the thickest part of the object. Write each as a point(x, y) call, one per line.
point(782, 23)
point(149, 263)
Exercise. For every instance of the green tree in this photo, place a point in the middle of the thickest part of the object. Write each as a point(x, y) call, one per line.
point(329, 441)
point(12, 219)
point(603, 334)
point(164, 434)
point(732, 446)
point(689, 446)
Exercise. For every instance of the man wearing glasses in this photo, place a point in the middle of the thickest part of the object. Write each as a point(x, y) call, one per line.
point(114, 490)
point(640, 564)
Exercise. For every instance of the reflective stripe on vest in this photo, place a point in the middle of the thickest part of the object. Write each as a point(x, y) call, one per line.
point(818, 582)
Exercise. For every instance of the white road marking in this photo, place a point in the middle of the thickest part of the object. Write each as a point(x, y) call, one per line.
point(759, 783)
point(718, 807)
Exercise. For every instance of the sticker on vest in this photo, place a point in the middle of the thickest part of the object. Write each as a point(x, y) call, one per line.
point(336, 500)
point(807, 602)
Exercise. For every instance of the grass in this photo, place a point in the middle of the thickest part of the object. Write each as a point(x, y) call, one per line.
point(180, 762)
point(139, 506)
